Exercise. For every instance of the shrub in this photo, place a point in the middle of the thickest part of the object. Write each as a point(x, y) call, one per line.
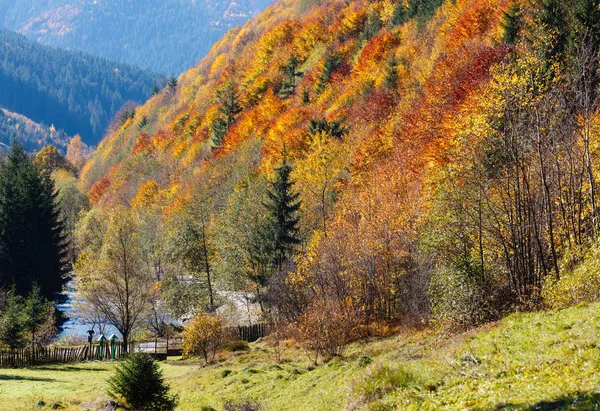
point(243, 405)
point(382, 380)
point(326, 327)
point(580, 285)
point(364, 360)
point(236, 346)
point(203, 336)
point(139, 381)
point(460, 299)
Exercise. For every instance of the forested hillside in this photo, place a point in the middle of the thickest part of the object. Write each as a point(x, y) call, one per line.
point(75, 93)
point(350, 166)
point(31, 135)
point(423, 159)
point(162, 36)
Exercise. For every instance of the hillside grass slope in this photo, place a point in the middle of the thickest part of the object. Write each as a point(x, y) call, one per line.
point(532, 361)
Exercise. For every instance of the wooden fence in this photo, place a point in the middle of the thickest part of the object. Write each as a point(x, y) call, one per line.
point(252, 333)
point(159, 349)
point(25, 358)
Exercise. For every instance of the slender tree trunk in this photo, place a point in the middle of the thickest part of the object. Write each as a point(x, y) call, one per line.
point(207, 268)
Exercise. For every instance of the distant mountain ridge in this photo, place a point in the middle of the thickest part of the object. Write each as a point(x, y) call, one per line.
point(167, 36)
point(31, 135)
point(77, 93)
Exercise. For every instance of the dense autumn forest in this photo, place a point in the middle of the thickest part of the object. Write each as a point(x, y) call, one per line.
point(404, 192)
point(442, 154)
point(444, 158)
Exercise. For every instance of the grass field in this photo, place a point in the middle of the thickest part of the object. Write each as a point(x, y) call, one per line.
point(533, 361)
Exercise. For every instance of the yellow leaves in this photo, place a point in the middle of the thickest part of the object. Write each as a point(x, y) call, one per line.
point(387, 12)
point(306, 40)
point(269, 42)
point(353, 19)
point(147, 195)
point(317, 175)
point(256, 122)
point(203, 336)
point(218, 66)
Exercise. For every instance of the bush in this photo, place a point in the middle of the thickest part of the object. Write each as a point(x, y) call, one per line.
point(237, 346)
point(580, 285)
point(243, 405)
point(326, 328)
point(203, 336)
point(381, 381)
point(460, 299)
point(138, 380)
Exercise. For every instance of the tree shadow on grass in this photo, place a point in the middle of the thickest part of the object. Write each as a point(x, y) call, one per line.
point(573, 402)
point(21, 378)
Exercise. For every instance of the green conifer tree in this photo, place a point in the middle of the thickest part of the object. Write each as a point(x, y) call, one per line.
point(32, 243)
point(281, 235)
point(332, 62)
point(399, 16)
point(172, 84)
point(511, 25)
point(229, 109)
point(372, 26)
point(12, 327)
point(291, 75)
point(391, 79)
point(36, 312)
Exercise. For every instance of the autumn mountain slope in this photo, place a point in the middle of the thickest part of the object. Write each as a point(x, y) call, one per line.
point(444, 153)
point(163, 36)
point(395, 88)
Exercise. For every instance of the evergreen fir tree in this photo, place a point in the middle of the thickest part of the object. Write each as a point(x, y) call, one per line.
point(291, 75)
point(37, 312)
point(32, 243)
point(372, 26)
point(229, 109)
point(305, 96)
point(399, 16)
point(334, 128)
point(140, 382)
point(553, 17)
point(332, 62)
point(391, 79)
point(12, 322)
point(587, 22)
point(172, 84)
point(281, 235)
point(511, 25)
point(143, 122)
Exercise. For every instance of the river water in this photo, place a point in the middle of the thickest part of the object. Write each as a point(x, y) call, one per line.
point(77, 325)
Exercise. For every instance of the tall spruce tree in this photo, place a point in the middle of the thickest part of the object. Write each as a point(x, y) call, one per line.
point(511, 24)
point(229, 108)
point(281, 234)
point(32, 243)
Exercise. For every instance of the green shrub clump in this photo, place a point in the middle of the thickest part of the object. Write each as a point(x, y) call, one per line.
point(138, 381)
point(579, 285)
point(243, 405)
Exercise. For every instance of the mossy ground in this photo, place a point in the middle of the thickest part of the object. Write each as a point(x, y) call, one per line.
point(532, 361)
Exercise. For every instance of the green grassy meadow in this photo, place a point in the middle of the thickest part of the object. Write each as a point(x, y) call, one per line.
point(531, 361)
